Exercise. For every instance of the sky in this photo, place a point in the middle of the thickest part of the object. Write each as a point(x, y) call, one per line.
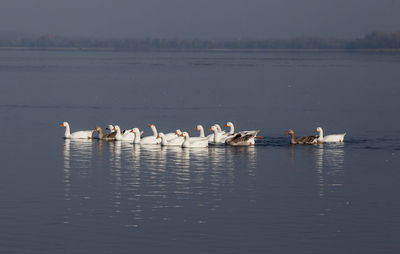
point(202, 19)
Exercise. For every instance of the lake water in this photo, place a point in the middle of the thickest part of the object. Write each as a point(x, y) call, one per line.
point(62, 196)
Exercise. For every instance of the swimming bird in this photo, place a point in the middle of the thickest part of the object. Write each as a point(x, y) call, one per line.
point(149, 140)
point(219, 137)
point(76, 134)
point(250, 135)
point(178, 141)
point(244, 138)
point(329, 138)
point(305, 140)
point(102, 136)
point(200, 128)
point(203, 142)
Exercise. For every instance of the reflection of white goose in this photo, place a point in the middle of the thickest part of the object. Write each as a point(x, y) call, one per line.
point(76, 134)
point(329, 138)
point(193, 142)
point(178, 141)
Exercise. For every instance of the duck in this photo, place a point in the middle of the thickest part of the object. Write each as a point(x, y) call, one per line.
point(329, 138)
point(200, 128)
point(250, 135)
point(178, 141)
point(149, 140)
point(305, 140)
point(203, 142)
point(76, 134)
point(219, 137)
point(102, 136)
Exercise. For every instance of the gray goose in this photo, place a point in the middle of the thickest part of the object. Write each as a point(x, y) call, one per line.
point(244, 138)
point(102, 136)
point(304, 140)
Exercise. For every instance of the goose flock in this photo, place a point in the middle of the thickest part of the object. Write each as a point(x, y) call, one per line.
point(176, 138)
point(183, 139)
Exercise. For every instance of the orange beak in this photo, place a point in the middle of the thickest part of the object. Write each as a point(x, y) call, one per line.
point(259, 137)
point(94, 129)
point(62, 125)
point(149, 125)
point(181, 135)
point(176, 133)
point(315, 130)
point(114, 129)
point(287, 133)
point(226, 125)
point(210, 129)
point(158, 136)
point(196, 129)
point(131, 131)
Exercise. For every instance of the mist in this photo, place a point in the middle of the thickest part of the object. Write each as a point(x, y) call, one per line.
point(218, 19)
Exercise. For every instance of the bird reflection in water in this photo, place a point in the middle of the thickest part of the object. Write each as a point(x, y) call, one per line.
point(77, 155)
point(143, 180)
point(329, 160)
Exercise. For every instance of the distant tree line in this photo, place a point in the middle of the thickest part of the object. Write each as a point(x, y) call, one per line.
point(375, 40)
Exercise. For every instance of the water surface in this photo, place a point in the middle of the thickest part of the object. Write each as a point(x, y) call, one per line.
point(63, 196)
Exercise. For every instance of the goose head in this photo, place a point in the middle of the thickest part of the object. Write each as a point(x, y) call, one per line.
point(228, 124)
point(98, 128)
point(116, 128)
point(198, 127)
point(136, 131)
point(184, 134)
point(160, 135)
point(178, 132)
point(64, 124)
point(213, 128)
point(289, 132)
point(318, 129)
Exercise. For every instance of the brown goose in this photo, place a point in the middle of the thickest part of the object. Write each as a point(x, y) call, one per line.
point(305, 140)
point(102, 136)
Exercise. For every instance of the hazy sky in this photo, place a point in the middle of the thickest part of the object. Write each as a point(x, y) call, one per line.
point(200, 18)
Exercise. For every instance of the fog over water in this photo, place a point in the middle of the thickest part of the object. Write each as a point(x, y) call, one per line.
point(201, 19)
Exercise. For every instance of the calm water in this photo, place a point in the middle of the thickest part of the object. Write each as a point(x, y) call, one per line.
point(110, 197)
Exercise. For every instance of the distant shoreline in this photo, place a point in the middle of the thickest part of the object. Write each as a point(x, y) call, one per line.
point(383, 50)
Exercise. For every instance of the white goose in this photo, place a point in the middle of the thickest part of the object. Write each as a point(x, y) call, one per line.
point(149, 140)
point(128, 135)
point(245, 137)
point(178, 141)
point(172, 135)
point(76, 134)
point(329, 138)
point(118, 136)
point(219, 137)
point(203, 142)
point(110, 128)
point(201, 130)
